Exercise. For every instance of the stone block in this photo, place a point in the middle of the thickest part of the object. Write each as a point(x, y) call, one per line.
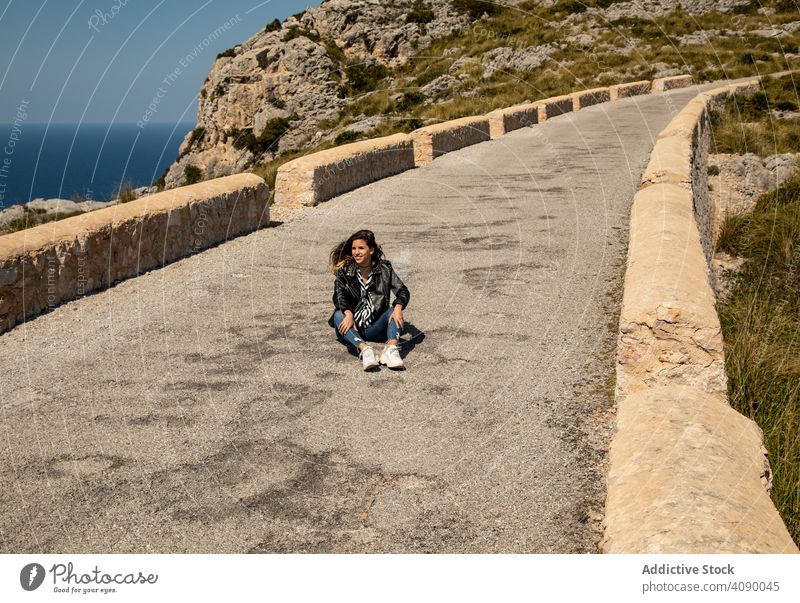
point(587, 98)
point(552, 107)
point(434, 141)
point(668, 303)
point(502, 121)
point(687, 475)
point(317, 177)
point(629, 89)
point(670, 162)
point(69, 258)
point(663, 84)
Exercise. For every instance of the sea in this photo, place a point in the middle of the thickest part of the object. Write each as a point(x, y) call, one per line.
point(90, 161)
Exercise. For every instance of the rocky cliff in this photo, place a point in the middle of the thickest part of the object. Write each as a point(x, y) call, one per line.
point(271, 92)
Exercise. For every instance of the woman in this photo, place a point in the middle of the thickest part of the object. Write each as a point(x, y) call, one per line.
point(364, 282)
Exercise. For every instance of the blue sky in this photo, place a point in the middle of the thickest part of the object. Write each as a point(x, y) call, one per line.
point(104, 61)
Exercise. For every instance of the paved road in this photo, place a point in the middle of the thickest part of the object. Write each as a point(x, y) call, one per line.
point(206, 406)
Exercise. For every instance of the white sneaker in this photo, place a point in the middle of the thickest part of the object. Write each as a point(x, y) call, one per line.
point(367, 356)
point(391, 356)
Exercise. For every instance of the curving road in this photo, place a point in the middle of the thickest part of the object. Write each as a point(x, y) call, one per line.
point(206, 406)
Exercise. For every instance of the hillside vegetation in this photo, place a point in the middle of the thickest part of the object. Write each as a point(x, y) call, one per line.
point(761, 314)
point(531, 51)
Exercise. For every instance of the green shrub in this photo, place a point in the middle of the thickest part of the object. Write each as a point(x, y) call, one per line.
point(750, 58)
point(475, 8)
point(636, 26)
point(192, 174)
point(746, 9)
point(277, 102)
point(731, 233)
point(567, 7)
point(198, 134)
point(605, 3)
point(409, 125)
point(409, 100)
point(227, 53)
point(420, 12)
point(348, 136)
point(431, 73)
point(258, 145)
point(364, 78)
point(126, 192)
point(273, 130)
point(241, 138)
point(219, 90)
point(161, 181)
point(274, 25)
point(296, 32)
point(333, 51)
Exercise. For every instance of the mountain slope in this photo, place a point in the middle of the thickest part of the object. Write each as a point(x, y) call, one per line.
point(354, 68)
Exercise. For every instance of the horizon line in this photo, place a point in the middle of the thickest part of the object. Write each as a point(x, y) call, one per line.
point(96, 123)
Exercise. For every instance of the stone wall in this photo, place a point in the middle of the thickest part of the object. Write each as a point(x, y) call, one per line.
point(664, 84)
point(619, 91)
point(552, 107)
point(43, 266)
point(502, 121)
point(320, 176)
point(317, 177)
point(687, 473)
point(587, 98)
point(434, 141)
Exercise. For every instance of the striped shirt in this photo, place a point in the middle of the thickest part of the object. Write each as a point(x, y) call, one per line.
point(364, 314)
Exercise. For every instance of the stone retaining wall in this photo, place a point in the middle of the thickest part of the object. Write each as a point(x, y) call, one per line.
point(317, 177)
point(630, 89)
point(320, 176)
point(552, 107)
point(513, 118)
point(434, 141)
point(43, 266)
point(587, 98)
point(687, 473)
point(663, 84)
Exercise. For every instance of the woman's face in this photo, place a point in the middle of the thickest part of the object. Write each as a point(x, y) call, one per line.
point(361, 253)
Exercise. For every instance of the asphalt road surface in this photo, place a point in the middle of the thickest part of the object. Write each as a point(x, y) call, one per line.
point(207, 406)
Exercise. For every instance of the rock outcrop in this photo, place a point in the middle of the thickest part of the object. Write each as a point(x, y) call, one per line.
point(270, 93)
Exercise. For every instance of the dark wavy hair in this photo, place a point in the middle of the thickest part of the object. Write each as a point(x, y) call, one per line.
point(341, 254)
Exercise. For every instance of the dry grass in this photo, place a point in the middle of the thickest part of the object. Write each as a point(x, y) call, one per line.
point(126, 192)
point(761, 327)
point(748, 123)
point(35, 218)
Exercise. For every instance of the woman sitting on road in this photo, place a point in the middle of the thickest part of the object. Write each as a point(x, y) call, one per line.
point(364, 281)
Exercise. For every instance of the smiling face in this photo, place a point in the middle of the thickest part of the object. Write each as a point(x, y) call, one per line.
point(362, 253)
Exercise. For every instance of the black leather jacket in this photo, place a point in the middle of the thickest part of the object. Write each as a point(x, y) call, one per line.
point(347, 289)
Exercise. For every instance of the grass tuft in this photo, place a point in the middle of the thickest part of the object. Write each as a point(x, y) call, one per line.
point(761, 328)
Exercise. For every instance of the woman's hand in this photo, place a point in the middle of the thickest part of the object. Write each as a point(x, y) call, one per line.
point(347, 323)
point(397, 315)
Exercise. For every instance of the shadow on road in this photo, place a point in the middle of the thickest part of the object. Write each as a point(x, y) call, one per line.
point(406, 345)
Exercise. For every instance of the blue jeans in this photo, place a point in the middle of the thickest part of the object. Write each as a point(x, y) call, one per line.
point(382, 329)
